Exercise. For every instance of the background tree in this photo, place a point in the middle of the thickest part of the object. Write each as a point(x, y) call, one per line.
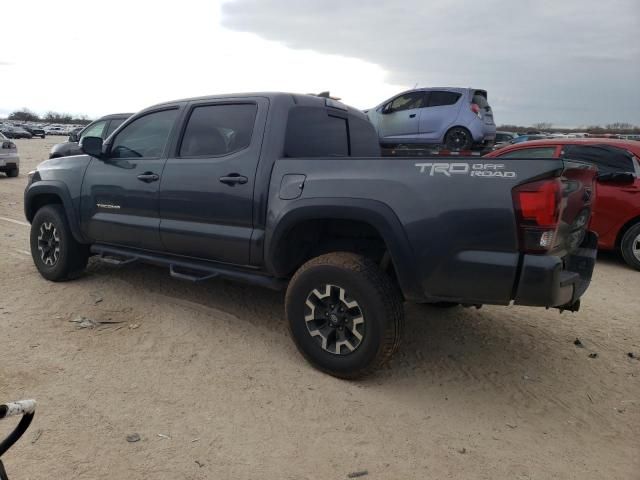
point(24, 115)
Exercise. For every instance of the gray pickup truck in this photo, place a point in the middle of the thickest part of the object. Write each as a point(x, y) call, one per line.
point(290, 192)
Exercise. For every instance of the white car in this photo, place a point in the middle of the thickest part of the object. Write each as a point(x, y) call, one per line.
point(9, 160)
point(54, 130)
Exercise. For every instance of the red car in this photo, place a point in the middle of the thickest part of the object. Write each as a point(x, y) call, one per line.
point(616, 214)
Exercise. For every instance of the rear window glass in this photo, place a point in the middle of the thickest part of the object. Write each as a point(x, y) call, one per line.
point(480, 100)
point(364, 139)
point(608, 159)
point(215, 130)
point(440, 98)
point(312, 132)
point(537, 152)
point(115, 123)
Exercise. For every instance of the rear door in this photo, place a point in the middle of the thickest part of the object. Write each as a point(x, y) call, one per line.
point(119, 202)
point(206, 194)
point(439, 112)
point(400, 118)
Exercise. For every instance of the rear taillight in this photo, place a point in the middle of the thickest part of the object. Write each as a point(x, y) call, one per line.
point(475, 108)
point(537, 206)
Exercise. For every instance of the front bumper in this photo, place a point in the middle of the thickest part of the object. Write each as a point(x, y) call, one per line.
point(549, 281)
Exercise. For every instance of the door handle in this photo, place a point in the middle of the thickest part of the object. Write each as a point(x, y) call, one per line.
point(148, 177)
point(234, 179)
point(412, 115)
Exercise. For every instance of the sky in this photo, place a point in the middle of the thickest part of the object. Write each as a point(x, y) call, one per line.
point(568, 62)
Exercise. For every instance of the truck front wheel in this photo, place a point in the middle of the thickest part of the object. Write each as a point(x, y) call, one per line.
point(345, 314)
point(56, 254)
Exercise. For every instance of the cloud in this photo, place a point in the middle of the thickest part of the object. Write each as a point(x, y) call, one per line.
point(574, 62)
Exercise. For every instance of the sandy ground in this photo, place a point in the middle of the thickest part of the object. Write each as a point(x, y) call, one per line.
point(208, 378)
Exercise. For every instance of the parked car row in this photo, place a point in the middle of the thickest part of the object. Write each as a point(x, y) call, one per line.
point(10, 131)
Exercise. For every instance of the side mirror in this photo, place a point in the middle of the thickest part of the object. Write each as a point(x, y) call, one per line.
point(91, 146)
point(73, 137)
point(619, 178)
point(387, 108)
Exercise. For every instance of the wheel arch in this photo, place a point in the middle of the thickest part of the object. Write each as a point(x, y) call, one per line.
point(465, 128)
point(625, 228)
point(378, 216)
point(50, 192)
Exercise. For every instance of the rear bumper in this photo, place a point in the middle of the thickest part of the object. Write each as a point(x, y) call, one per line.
point(549, 281)
point(9, 161)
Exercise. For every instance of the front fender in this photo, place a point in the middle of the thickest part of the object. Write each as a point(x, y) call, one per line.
point(373, 212)
point(60, 190)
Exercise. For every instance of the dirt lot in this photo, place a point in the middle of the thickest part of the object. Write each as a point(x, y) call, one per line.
point(208, 378)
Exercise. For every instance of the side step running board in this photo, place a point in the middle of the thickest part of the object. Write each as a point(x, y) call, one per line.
point(185, 269)
point(191, 278)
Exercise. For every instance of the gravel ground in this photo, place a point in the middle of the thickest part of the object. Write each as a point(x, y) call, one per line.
point(208, 379)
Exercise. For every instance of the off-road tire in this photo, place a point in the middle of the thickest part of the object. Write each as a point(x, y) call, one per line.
point(377, 297)
point(72, 256)
point(630, 239)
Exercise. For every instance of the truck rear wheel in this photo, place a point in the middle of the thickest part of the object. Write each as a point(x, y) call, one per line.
point(630, 246)
point(56, 254)
point(345, 314)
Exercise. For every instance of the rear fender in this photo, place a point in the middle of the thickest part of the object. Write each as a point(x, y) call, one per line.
point(375, 213)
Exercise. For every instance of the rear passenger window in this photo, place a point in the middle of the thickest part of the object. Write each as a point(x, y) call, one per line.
point(312, 132)
point(440, 98)
point(608, 159)
point(539, 152)
point(215, 130)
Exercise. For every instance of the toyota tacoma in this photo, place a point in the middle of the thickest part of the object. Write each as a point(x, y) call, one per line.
point(290, 192)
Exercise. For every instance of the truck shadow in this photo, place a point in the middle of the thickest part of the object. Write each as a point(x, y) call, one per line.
point(485, 347)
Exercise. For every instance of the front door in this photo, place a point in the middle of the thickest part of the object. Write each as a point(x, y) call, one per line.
point(119, 202)
point(399, 119)
point(206, 192)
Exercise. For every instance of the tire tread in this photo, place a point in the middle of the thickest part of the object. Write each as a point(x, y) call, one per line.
point(387, 291)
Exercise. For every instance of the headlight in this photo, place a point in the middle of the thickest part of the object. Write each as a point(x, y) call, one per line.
point(30, 176)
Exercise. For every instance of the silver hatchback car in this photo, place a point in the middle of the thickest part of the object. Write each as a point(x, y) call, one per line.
point(9, 160)
point(457, 118)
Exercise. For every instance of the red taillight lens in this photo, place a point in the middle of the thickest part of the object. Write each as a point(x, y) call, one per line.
point(475, 108)
point(538, 207)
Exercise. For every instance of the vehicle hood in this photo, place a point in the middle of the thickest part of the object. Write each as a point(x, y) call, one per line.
point(49, 167)
point(65, 149)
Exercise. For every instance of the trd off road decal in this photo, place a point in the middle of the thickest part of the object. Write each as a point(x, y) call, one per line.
point(472, 169)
